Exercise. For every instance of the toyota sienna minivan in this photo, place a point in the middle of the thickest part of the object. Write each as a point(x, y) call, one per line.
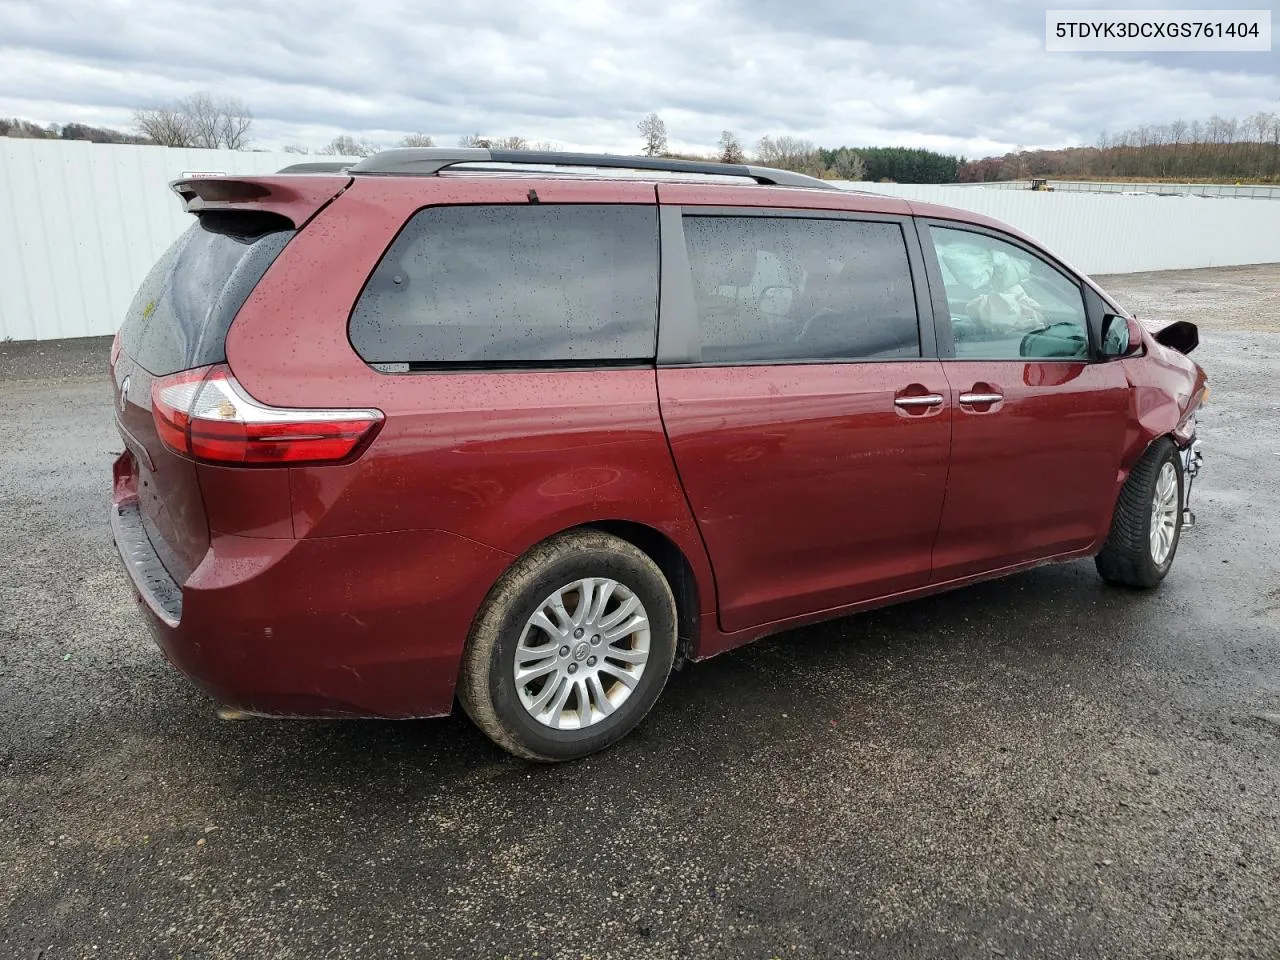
point(525, 430)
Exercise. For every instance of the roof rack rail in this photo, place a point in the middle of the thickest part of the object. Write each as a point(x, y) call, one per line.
point(317, 166)
point(427, 161)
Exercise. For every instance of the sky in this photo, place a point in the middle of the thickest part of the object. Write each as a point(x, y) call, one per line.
point(960, 76)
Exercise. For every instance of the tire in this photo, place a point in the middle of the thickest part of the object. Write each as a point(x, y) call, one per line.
point(572, 565)
point(1130, 558)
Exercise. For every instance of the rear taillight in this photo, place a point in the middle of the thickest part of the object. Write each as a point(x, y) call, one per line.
point(115, 349)
point(205, 414)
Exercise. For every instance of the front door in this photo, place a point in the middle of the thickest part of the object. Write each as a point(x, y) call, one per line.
point(809, 426)
point(1038, 423)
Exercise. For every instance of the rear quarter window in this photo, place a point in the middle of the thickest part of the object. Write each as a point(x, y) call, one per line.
point(514, 285)
point(180, 315)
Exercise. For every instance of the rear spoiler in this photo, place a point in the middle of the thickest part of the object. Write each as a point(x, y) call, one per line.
point(295, 198)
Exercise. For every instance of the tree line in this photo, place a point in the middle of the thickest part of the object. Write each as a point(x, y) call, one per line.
point(203, 120)
point(345, 145)
point(1217, 148)
point(20, 129)
point(210, 121)
point(1220, 148)
point(899, 164)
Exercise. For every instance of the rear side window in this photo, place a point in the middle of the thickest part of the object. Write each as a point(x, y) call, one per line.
point(528, 284)
point(180, 315)
point(795, 289)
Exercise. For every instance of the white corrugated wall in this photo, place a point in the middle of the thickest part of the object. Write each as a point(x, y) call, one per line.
point(1112, 233)
point(82, 223)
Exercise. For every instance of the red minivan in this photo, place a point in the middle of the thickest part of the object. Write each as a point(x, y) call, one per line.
point(524, 429)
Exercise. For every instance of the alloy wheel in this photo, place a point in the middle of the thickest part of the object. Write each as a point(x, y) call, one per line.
point(1164, 514)
point(582, 653)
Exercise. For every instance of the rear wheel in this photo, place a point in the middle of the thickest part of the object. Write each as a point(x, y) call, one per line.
point(571, 648)
point(1147, 522)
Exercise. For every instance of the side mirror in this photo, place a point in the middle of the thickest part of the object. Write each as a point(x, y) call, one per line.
point(1183, 336)
point(1121, 337)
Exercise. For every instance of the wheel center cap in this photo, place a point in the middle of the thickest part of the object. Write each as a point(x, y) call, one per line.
point(580, 651)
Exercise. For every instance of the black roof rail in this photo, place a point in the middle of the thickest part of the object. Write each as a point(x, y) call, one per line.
point(317, 166)
point(426, 161)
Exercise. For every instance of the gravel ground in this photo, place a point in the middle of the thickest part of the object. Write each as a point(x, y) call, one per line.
point(1227, 298)
point(1037, 767)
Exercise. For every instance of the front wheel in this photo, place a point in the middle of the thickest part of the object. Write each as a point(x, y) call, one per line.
point(571, 647)
point(1147, 521)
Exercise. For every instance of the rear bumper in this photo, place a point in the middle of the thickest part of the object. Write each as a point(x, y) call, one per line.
point(348, 626)
point(151, 580)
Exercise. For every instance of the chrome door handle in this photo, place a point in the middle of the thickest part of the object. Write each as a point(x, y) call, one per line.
point(981, 397)
point(928, 400)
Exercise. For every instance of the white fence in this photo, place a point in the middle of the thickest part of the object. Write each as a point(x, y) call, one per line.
point(1261, 191)
point(1115, 233)
point(81, 224)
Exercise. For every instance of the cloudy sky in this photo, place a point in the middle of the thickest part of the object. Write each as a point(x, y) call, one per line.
point(957, 75)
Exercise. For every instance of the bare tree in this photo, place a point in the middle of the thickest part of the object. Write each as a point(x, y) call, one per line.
point(494, 143)
point(654, 132)
point(779, 151)
point(1177, 136)
point(1259, 127)
point(848, 165)
point(166, 126)
point(547, 146)
point(790, 153)
point(218, 120)
point(296, 148)
point(417, 140)
point(731, 148)
point(345, 145)
point(1274, 134)
point(234, 122)
point(200, 120)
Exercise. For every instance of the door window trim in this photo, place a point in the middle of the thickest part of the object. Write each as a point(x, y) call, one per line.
point(679, 332)
point(942, 312)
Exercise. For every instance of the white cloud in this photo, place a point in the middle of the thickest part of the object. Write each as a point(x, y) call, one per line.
point(965, 77)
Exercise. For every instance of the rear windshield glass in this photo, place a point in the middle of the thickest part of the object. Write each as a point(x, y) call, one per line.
point(180, 315)
point(527, 284)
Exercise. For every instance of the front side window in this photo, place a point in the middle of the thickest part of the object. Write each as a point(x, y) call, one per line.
point(786, 289)
point(514, 284)
point(1006, 303)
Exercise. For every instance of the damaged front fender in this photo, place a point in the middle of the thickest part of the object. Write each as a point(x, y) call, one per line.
point(1167, 389)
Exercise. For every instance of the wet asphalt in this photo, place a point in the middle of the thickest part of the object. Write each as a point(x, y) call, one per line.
point(1037, 767)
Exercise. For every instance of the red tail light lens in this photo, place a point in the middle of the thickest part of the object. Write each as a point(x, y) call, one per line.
point(115, 349)
point(206, 415)
point(171, 401)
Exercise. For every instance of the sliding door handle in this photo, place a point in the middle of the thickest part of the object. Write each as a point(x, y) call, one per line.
point(927, 400)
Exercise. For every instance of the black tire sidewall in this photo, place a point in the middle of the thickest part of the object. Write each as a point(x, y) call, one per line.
point(567, 744)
